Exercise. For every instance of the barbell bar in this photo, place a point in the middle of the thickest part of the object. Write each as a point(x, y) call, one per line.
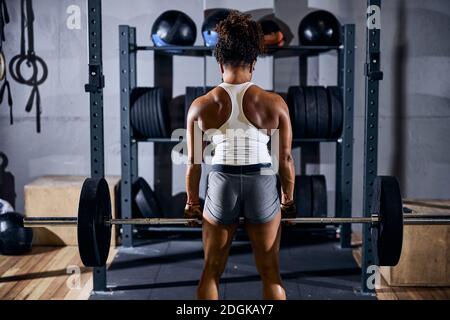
point(94, 221)
point(415, 219)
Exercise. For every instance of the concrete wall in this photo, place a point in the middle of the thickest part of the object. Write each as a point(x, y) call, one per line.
point(414, 95)
point(414, 131)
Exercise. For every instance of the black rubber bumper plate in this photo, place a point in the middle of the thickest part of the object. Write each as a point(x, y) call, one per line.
point(303, 196)
point(149, 114)
point(323, 112)
point(311, 112)
point(146, 201)
point(336, 112)
point(162, 111)
point(387, 238)
point(319, 196)
point(94, 234)
point(297, 111)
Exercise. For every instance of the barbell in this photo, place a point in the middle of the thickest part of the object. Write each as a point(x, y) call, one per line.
point(94, 221)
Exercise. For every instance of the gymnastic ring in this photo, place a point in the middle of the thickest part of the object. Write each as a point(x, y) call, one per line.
point(12, 68)
point(33, 61)
point(2, 66)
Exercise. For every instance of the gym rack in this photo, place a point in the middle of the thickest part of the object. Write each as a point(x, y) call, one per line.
point(129, 154)
point(373, 76)
point(95, 90)
point(163, 77)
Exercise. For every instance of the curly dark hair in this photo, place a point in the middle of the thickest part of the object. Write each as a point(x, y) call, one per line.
point(241, 40)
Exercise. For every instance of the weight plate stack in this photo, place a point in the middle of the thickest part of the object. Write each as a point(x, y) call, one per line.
point(162, 114)
point(303, 196)
point(193, 93)
point(297, 111)
point(94, 234)
point(176, 111)
point(336, 112)
point(319, 196)
point(149, 114)
point(311, 112)
point(323, 112)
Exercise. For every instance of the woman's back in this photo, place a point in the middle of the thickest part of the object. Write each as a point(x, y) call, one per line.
point(238, 119)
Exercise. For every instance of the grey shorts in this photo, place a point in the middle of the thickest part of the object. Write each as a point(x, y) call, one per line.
point(251, 195)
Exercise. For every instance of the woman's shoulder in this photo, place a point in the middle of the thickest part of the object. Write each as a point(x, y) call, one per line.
point(266, 98)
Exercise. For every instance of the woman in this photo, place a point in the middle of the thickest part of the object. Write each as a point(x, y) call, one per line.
point(239, 118)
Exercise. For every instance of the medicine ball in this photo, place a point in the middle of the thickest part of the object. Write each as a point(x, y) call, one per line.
point(174, 28)
point(209, 26)
point(319, 28)
point(273, 36)
point(14, 238)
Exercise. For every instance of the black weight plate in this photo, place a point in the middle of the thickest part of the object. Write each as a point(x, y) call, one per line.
point(145, 103)
point(292, 106)
point(152, 120)
point(297, 110)
point(146, 200)
point(319, 196)
point(134, 112)
point(387, 238)
point(301, 113)
point(336, 112)
point(193, 93)
point(296, 102)
point(176, 112)
point(303, 196)
point(118, 192)
point(138, 114)
point(311, 112)
point(163, 114)
point(94, 235)
point(323, 112)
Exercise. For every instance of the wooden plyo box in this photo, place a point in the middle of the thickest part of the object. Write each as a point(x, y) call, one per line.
point(58, 196)
point(425, 259)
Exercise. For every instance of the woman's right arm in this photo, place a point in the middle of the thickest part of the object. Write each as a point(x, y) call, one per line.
point(286, 163)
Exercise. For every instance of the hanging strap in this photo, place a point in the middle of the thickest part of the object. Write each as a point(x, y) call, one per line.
point(4, 20)
point(28, 56)
point(6, 87)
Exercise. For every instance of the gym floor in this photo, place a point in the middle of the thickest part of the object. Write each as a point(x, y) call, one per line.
point(170, 270)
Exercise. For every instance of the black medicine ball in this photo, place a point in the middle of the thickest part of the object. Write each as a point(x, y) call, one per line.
point(174, 28)
point(319, 28)
point(14, 238)
point(269, 26)
point(209, 25)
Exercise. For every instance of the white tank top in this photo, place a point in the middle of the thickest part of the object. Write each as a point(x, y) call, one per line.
point(238, 141)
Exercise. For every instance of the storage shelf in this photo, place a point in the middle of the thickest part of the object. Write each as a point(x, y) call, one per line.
point(202, 51)
point(163, 75)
